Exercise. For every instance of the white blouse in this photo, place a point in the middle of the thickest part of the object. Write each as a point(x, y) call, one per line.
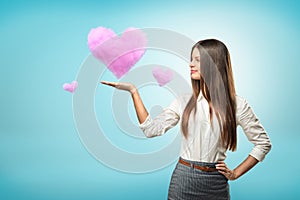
point(204, 142)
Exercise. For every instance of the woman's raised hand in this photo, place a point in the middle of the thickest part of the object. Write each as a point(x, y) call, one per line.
point(137, 101)
point(121, 86)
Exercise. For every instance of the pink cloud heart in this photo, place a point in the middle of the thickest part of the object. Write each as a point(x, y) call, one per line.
point(118, 53)
point(162, 76)
point(70, 87)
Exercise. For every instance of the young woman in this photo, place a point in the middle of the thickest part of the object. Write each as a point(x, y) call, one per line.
point(209, 119)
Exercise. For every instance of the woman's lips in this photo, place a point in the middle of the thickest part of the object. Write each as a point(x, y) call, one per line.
point(193, 71)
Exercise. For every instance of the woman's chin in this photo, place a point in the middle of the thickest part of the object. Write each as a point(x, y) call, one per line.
point(195, 77)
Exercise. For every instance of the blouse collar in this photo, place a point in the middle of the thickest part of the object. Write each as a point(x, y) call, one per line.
point(200, 96)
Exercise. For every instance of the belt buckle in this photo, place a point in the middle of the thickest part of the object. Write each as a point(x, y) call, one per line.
point(192, 165)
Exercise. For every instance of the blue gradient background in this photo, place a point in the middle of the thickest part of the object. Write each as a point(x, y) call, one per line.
point(43, 45)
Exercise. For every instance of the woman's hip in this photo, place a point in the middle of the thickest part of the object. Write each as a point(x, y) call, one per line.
point(189, 182)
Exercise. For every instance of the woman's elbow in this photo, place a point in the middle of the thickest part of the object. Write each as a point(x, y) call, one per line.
point(266, 148)
point(269, 146)
point(151, 134)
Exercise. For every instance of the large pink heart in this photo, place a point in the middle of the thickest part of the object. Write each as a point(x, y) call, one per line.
point(119, 54)
point(162, 76)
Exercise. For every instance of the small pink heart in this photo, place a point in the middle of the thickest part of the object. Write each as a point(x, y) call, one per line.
point(70, 87)
point(162, 76)
point(119, 54)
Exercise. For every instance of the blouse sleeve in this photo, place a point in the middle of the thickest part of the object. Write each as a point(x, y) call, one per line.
point(164, 121)
point(253, 129)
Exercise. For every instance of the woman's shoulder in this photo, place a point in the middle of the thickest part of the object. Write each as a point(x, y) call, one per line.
point(179, 102)
point(184, 98)
point(239, 99)
point(242, 105)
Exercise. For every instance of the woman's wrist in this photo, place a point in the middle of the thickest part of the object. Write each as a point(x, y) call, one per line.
point(133, 90)
point(234, 175)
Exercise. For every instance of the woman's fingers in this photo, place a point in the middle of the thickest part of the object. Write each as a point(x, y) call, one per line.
point(114, 84)
point(224, 174)
point(221, 166)
point(106, 82)
point(223, 169)
point(122, 86)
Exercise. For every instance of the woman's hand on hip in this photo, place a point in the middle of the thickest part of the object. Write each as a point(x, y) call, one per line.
point(223, 169)
point(121, 86)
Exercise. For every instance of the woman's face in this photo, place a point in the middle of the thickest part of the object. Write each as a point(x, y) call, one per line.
point(195, 64)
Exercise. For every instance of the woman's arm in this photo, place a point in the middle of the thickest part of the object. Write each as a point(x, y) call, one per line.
point(140, 109)
point(151, 127)
point(255, 133)
point(253, 129)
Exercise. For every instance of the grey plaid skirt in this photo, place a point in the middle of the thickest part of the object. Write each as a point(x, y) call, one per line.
point(188, 183)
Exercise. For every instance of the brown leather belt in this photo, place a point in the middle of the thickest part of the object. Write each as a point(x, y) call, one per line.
point(203, 168)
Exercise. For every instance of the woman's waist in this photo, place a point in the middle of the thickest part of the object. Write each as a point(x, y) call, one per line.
point(196, 162)
point(205, 156)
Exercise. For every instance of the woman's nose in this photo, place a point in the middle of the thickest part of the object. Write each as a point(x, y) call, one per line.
point(192, 64)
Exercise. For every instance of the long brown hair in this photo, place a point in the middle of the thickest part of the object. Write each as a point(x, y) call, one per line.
point(217, 86)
